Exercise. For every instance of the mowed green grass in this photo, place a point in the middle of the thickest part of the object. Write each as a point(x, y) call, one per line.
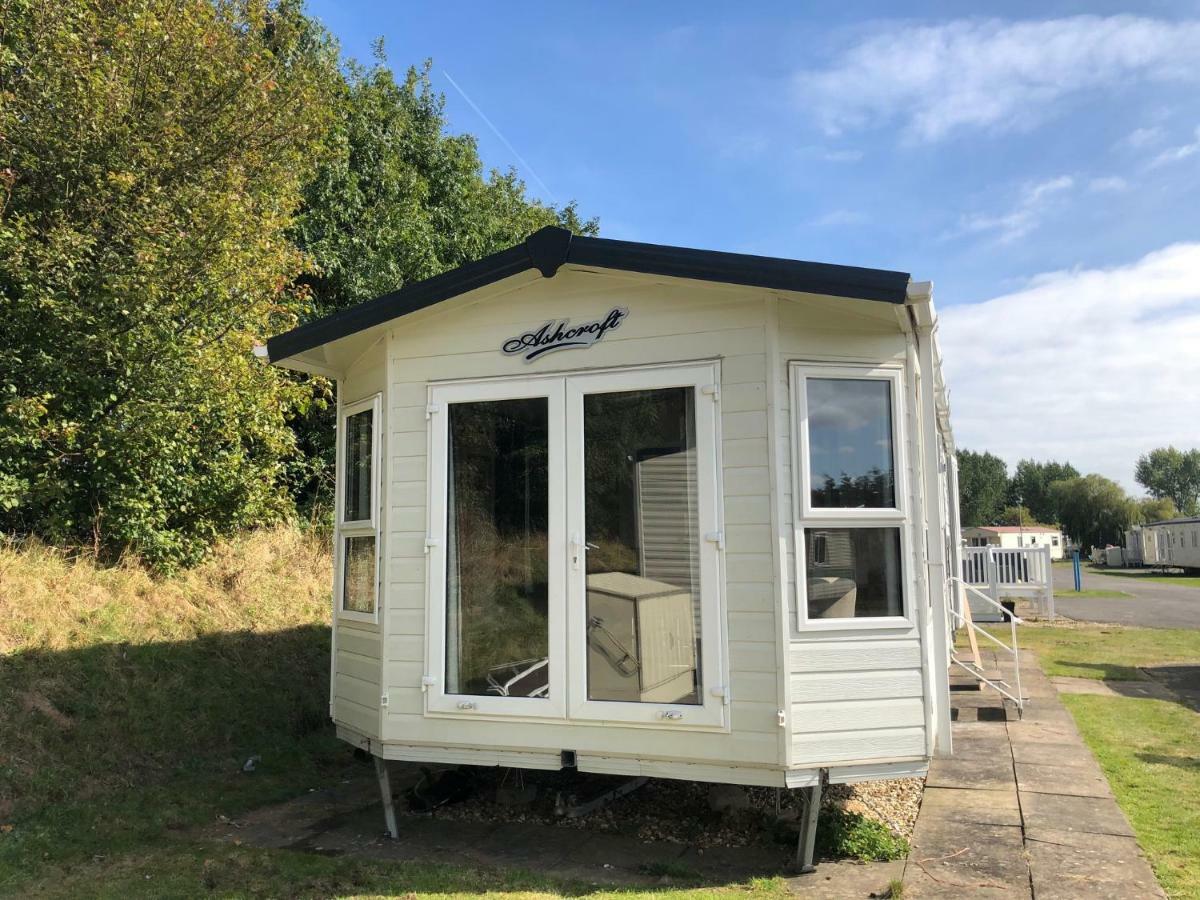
point(1094, 592)
point(1148, 749)
point(1108, 652)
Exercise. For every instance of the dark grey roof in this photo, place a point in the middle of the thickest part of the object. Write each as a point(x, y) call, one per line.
point(1182, 520)
point(548, 249)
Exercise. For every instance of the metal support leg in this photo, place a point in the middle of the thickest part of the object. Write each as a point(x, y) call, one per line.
point(385, 789)
point(807, 843)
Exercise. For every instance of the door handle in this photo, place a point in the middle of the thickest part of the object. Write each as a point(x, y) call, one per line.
point(577, 547)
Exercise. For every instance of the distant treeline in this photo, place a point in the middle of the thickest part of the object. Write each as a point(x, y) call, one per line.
point(1092, 509)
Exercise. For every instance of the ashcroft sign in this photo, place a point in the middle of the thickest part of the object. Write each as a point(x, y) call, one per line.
point(562, 335)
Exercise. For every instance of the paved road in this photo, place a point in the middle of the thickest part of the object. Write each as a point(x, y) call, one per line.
point(1153, 604)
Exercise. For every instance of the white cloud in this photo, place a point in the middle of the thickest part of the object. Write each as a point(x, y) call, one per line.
point(1109, 184)
point(1142, 137)
point(1095, 366)
point(1175, 154)
point(1022, 218)
point(990, 73)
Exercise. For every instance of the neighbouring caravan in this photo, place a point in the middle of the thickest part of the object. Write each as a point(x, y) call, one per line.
point(642, 510)
point(1172, 542)
point(1013, 536)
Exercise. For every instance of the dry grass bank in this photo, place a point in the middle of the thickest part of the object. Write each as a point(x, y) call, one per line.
point(131, 703)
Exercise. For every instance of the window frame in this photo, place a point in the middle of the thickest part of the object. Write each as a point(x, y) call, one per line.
point(710, 713)
point(359, 527)
point(805, 516)
point(438, 701)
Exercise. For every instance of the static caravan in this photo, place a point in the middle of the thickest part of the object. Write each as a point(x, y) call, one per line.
point(642, 510)
point(1177, 541)
point(1014, 536)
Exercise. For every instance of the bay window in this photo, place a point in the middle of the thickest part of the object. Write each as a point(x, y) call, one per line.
point(850, 508)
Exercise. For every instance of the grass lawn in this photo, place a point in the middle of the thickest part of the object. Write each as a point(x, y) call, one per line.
point(1092, 592)
point(1106, 651)
point(1147, 748)
point(1146, 575)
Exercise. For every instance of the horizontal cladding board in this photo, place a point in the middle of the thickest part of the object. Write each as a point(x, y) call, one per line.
point(744, 424)
point(466, 334)
point(406, 621)
point(751, 538)
point(847, 656)
point(750, 568)
point(851, 715)
point(757, 686)
point(467, 756)
point(409, 468)
point(880, 743)
point(406, 647)
point(750, 596)
point(408, 444)
point(751, 657)
point(363, 719)
point(746, 397)
point(752, 626)
point(427, 362)
point(610, 739)
point(739, 452)
point(748, 510)
point(356, 690)
point(750, 481)
point(747, 368)
point(616, 765)
point(759, 714)
point(828, 686)
point(406, 595)
point(408, 419)
point(406, 570)
point(365, 668)
point(356, 640)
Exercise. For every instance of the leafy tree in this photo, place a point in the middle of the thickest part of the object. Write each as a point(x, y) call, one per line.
point(398, 199)
point(1174, 474)
point(1153, 509)
point(152, 156)
point(1015, 515)
point(1095, 511)
point(982, 486)
point(1030, 487)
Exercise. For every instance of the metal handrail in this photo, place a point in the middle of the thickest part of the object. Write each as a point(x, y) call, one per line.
point(1015, 649)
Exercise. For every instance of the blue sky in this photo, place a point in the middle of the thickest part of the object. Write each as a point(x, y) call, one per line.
point(1050, 148)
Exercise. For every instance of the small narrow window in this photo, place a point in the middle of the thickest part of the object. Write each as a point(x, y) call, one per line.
point(358, 535)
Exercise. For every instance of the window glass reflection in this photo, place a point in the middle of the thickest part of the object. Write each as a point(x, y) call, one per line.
point(850, 443)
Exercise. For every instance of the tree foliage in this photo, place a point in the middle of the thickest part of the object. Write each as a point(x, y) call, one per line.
point(982, 487)
point(1173, 474)
point(397, 199)
point(153, 155)
point(1030, 487)
point(1095, 511)
point(1155, 509)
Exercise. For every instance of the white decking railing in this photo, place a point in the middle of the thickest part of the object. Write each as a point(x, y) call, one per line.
point(1000, 572)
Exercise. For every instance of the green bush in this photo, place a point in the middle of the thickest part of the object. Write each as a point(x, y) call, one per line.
point(847, 835)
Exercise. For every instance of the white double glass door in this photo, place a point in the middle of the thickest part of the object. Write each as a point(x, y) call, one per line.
point(574, 565)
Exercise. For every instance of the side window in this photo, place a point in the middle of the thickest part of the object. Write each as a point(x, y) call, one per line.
point(358, 523)
point(850, 514)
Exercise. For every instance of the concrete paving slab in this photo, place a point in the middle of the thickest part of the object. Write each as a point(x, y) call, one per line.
point(976, 773)
point(1041, 732)
point(967, 857)
point(1073, 781)
point(1066, 753)
point(973, 807)
point(1066, 865)
point(846, 880)
point(1093, 815)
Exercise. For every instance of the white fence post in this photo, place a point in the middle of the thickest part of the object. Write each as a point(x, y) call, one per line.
point(1048, 594)
point(993, 575)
